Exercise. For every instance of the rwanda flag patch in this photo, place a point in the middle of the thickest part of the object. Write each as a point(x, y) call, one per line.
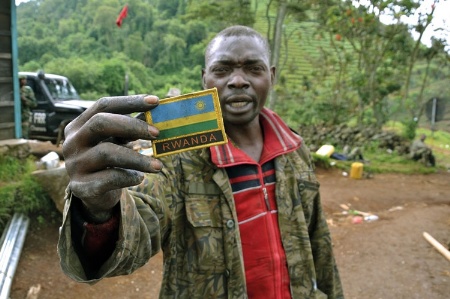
point(187, 122)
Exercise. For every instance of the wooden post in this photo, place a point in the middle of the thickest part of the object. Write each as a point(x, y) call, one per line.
point(437, 245)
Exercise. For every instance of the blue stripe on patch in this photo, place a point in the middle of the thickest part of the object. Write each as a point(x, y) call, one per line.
point(184, 108)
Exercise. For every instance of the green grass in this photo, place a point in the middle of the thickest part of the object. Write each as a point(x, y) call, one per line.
point(438, 141)
point(20, 193)
point(378, 162)
point(382, 161)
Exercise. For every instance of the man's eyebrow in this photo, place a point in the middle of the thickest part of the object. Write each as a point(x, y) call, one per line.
point(229, 61)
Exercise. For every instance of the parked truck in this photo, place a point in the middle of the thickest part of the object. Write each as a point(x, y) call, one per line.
point(58, 103)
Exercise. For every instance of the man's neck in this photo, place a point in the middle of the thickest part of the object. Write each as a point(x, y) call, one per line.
point(249, 139)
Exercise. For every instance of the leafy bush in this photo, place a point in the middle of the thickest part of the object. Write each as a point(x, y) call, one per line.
point(20, 193)
point(409, 129)
point(10, 168)
point(321, 161)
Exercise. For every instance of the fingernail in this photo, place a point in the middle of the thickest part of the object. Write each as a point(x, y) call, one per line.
point(156, 164)
point(151, 99)
point(153, 131)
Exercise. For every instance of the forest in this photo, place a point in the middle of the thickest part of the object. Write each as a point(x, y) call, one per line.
point(336, 61)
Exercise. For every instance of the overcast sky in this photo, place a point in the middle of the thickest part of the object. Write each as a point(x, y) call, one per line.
point(441, 19)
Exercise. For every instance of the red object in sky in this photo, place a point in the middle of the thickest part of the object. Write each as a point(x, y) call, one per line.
point(123, 14)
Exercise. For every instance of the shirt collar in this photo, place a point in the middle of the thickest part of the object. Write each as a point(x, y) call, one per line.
point(278, 139)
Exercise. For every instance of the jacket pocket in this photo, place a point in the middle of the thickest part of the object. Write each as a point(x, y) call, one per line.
point(305, 193)
point(306, 190)
point(203, 212)
point(204, 233)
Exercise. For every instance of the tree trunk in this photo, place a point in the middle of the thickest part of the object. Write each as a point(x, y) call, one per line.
point(276, 48)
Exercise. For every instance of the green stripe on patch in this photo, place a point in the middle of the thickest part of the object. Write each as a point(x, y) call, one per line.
point(188, 129)
point(189, 120)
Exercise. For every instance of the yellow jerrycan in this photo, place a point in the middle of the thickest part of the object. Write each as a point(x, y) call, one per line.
point(356, 170)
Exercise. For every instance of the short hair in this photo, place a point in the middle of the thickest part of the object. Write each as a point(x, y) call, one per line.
point(238, 30)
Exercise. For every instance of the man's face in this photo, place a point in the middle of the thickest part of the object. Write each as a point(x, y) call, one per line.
point(239, 68)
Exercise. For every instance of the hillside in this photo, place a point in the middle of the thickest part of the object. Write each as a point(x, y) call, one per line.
point(160, 45)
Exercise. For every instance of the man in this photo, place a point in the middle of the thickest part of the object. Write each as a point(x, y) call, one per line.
point(241, 220)
point(419, 151)
point(28, 101)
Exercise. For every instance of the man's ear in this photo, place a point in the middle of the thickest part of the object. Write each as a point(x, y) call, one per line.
point(273, 72)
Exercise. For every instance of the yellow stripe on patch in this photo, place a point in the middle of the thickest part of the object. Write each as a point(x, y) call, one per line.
point(170, 124)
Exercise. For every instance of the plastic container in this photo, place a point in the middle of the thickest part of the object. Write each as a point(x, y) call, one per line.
point(356, 171)
point(51, 160)
point(325, 150)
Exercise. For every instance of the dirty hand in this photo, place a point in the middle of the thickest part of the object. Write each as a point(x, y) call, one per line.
point(96, 158)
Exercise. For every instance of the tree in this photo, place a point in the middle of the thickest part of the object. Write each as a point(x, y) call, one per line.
point(276, 33)
point(219, 14)
point(415, 102)
point(415, 107)
point(379, 49)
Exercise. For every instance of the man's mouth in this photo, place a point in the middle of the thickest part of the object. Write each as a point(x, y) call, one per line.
point(238, 104)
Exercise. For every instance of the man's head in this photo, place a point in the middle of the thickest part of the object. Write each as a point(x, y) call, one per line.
point(423, 137)
point(237, 63)
point(236, 31)
point(22, 80)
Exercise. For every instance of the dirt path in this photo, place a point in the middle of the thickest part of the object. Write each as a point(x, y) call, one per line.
point(384, 259)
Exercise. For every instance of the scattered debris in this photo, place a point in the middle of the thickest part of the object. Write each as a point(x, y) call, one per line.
point(398, 208)
point(357, 219)
point(330, 222)
point(33, 292)
point(359, 216)
point(370, 218)
point(354, 212)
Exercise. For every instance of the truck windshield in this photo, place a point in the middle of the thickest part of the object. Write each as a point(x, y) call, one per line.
point(61, 89)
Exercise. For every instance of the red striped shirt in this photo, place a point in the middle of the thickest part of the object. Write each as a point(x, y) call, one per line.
point(253, 185)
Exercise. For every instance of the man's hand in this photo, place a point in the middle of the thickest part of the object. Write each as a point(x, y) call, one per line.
point(96, 158)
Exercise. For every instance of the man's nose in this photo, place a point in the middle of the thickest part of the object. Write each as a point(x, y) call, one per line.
point(238, 79)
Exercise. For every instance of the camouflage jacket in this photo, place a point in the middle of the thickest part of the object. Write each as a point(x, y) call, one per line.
point(28, 102)
point(188, 211)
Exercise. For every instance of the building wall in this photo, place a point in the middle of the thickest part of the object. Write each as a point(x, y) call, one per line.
point(9, 98)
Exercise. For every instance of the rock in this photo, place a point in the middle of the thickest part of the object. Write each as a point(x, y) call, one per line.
point(23, 148)
point(344, 135)
point(41, 148)
point(54, 182)
point(18, 148)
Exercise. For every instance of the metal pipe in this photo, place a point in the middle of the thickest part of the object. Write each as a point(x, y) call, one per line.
point(8, 245)
point(14, 260)
point(10, 253)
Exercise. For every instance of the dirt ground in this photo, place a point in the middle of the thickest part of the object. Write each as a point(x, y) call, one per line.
point(384, 259)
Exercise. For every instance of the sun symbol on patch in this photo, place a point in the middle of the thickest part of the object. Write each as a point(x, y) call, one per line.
point(200, 105)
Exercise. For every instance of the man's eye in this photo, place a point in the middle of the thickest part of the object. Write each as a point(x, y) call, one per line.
point(221, 69)
point(255, 68)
